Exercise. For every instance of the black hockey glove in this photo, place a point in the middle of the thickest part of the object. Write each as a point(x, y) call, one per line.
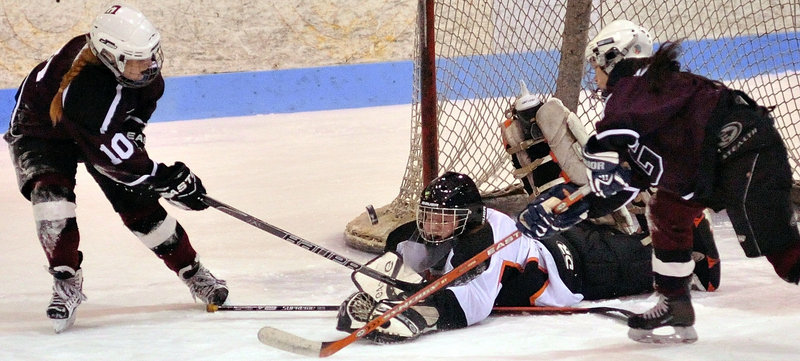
point(539, 222)
point(606, 175)
point(179, 186)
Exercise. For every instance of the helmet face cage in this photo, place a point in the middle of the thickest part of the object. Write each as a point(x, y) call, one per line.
point(440, 224)
point(448, 205)
point(123, 34)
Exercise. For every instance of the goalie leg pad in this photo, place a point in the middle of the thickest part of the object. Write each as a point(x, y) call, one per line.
point(566, 137)
point(530, 154)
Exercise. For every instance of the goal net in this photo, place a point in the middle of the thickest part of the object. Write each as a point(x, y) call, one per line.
point(483, 48)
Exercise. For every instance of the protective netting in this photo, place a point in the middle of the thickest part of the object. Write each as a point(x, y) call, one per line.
point(484, 48)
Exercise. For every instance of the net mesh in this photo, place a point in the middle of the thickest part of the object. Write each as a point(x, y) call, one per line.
point(485, 47)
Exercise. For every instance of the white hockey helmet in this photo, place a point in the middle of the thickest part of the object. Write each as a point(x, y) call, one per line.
point(620, 39)
point(123, 33)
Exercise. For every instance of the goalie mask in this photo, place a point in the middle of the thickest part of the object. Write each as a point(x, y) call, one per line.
point(449, 205)
point(127, 44)
point(620, 39)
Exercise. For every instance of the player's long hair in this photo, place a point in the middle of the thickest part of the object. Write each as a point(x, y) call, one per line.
point(85, 57)
point(664, 65)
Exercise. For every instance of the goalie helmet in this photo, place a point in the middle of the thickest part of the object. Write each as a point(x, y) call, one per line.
point(620, 39)
point(122, 34)
point(448, 206)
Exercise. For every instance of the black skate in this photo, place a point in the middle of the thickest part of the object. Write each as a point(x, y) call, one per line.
point(676, 312)
point(203, 285)
point(67, 295)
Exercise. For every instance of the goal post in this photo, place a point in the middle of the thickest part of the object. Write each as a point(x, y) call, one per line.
point(483, 48)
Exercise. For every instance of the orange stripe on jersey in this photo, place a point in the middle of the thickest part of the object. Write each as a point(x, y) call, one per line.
point(539, 293)
point(520, 268)
point(508, 264)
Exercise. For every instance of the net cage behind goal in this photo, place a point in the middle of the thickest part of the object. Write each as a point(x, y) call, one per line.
point(471, 56)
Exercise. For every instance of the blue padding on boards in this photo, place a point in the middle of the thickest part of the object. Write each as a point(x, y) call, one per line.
point(391, 83)
point(286, 91)
point(276, 91)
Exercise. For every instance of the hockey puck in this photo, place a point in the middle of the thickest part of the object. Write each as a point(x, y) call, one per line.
point(373, 217)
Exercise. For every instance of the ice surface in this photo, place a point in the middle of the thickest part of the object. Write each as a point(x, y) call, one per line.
point(311, 173)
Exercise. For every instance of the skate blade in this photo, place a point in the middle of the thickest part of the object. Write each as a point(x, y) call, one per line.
point(62, 324)
point(681, 334)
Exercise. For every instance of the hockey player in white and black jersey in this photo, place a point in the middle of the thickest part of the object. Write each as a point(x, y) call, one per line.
point(90, 103)
point(452, 225)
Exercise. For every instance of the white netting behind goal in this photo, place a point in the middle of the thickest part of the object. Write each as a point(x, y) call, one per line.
point(484, 47)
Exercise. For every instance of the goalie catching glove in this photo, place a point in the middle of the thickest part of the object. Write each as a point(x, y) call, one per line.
point(358, 309)
point(538, 221)
point(179, 186)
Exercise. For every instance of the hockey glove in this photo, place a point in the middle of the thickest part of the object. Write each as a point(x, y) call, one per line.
point(180, 187)
point(359, 308)
point(540, 222)
point(389, 264)
point(406, 325)
point(606, 175)
point(355, 312)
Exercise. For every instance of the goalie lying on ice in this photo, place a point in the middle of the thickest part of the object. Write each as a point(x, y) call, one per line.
point(588, 262)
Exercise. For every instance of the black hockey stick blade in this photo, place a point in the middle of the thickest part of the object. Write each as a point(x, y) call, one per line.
point(309, 246)
point(611, 312)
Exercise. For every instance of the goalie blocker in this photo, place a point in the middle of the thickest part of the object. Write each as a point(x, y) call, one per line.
point(545, 142)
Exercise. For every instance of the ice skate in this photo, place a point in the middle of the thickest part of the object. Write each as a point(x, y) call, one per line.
point(203, 285)
point(67, 295)
point(676, 312)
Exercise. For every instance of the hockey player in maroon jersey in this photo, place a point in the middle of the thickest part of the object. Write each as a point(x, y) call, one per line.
point(89, 103)
point(701, 145)
point(540, 269)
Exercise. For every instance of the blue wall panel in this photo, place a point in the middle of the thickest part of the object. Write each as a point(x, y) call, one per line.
point(377, 84)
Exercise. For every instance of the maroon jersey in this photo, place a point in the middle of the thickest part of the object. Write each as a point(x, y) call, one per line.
point(102, 117)
point(661, 133)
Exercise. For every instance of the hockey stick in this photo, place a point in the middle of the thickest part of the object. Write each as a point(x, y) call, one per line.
point(215, 308)
point(309, 246)
point(541, 310)
point(299, 345)
point(618, 314)
point(292, 343)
